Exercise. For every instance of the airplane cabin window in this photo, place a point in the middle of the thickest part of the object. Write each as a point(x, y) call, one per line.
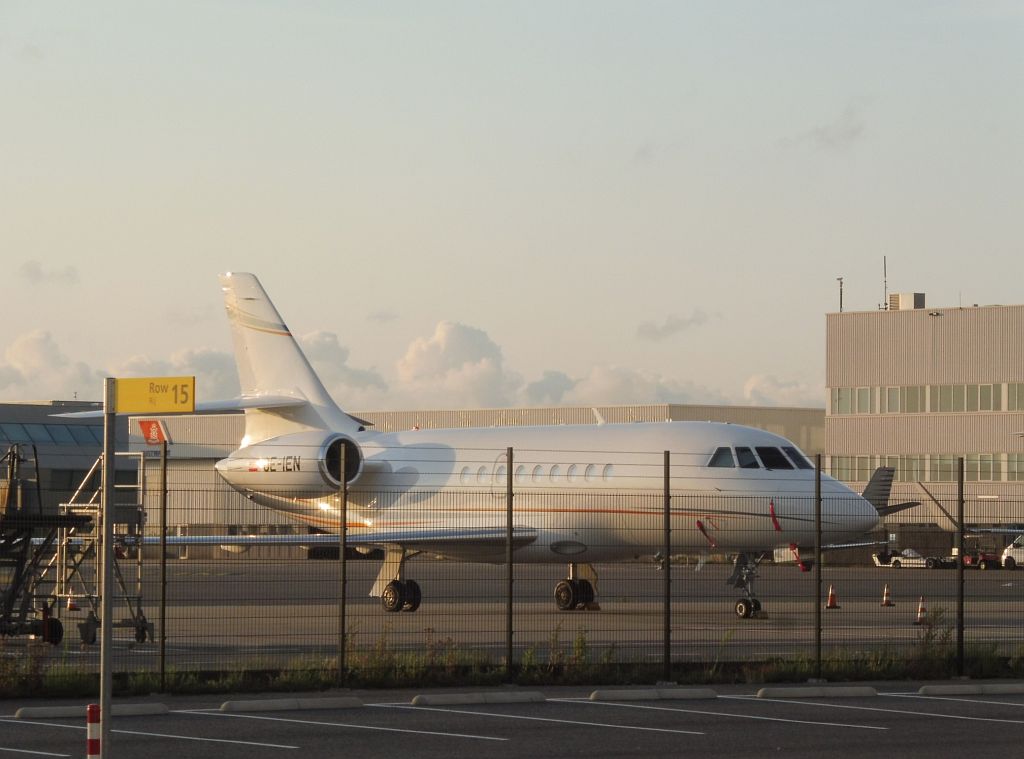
point(797, 458)
point(464, 475)
point(499, 473)
point(481, 475)
point(772, 458)
point(520, 473)
point(746, 458)
point(590, 473)
point(571, 474)
point(722, 457)
point(555, 472)
point(608, 472)
point(538, 472)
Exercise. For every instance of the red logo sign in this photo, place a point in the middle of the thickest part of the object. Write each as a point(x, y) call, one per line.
point(153, 431)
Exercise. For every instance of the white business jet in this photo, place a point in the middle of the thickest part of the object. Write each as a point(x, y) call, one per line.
point(582, 493)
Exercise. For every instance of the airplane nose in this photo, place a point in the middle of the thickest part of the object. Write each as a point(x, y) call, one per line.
point(867, 516)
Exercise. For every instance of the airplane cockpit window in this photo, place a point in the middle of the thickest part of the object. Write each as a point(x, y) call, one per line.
point(722, 457)
point(797, 458)
point(772, 458)
point(747, 459)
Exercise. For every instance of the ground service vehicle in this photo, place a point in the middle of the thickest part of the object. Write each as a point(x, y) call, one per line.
point(908, 557)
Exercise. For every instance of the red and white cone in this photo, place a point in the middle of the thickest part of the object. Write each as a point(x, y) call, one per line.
point(886, 601)
point(921, 613)
point(833, 600)
point(92, 734)
point(72, 604)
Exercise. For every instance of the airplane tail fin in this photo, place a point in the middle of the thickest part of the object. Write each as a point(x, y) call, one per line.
point(878, 490)
point(271, 365)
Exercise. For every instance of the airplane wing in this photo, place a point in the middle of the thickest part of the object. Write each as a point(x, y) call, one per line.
point(422, 540)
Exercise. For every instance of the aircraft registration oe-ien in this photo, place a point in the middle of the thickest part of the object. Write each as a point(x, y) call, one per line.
point(734, 489)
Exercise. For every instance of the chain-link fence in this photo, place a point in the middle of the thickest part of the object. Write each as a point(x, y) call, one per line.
point(535, 562)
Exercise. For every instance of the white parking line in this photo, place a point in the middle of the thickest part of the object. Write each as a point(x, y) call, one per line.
point(33, 753)
point(545, 719)
point(801, 702)
point(716, 714)
point(151, 735)
point(345, 724)
point(951, 698)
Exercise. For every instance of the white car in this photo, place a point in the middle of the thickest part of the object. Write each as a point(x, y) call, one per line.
point(908, 557)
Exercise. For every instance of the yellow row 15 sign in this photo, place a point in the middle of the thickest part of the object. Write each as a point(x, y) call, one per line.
point(162, 395)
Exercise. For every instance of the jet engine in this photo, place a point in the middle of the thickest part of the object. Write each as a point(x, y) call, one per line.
point(300, 465)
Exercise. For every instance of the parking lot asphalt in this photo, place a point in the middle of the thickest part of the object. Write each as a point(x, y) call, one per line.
point(735, 721)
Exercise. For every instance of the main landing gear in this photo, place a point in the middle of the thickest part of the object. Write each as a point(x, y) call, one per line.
point(401, 595)
point(576, 592)
point(744, 573)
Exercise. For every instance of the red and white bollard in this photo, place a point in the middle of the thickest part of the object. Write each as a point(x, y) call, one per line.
point(92, 735)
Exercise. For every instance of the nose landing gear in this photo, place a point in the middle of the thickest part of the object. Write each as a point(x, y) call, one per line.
point(743, 575)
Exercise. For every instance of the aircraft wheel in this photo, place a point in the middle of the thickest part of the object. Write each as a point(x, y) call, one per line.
point(565, 595)
point(744, 608)
point(584, 592)
point(930, 563)
point(896, 564)
point(393, 597)
point(413, 596)
point(87, 629)
point(53, 631)
point(757, 605)
point(1009, 563)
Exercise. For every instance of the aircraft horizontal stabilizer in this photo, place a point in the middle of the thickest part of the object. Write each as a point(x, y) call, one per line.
point(884, 511)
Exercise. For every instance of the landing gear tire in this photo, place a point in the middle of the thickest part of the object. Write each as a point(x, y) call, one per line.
point(1009, 563)
point(53, 631)
point(566, 595)
point(744, 608)
point(757, 605)
point(584, 592)
point(393, 597)
point(412, 596)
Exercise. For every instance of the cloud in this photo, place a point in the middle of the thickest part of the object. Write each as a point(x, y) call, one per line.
point(35, 368)
point(841, 134)
point(458, 367)
point(382, 317)
point(768, 390)
point(330, 361)
point(34, 273)
point(549, 389)
point(671, 326)
point(617, 385)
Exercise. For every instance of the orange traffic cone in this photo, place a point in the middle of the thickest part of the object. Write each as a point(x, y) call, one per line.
point(72, 604)
point(833, 602)
point(886, 601)
point(921, 612)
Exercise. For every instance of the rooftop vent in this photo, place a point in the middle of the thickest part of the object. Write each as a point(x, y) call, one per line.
point(905, 301)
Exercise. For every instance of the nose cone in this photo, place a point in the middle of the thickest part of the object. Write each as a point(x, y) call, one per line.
point(865, 519)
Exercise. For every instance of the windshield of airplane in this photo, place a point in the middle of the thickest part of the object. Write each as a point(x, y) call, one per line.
point(772, 458)
point(747, 459)
point(722, 457)
point(797, 458)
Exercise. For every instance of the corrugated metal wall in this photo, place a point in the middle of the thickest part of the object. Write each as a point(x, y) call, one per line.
point(969, 345)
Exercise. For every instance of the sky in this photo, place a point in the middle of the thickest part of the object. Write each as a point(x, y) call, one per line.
point(480, 204)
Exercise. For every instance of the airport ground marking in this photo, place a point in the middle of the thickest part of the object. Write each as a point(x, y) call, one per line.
point(716, 714)
point(153, 735)
point(802, 702)
point(346, 724)
point(953, 698)
point(33, 753)
point(547, 719)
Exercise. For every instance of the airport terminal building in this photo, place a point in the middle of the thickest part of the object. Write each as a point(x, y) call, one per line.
point(915, 387)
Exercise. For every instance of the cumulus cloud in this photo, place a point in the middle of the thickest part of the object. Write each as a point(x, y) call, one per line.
point(672, 325)
point(768, 390)
point(330, 361)
point(215, 372)
point(549, 389)
point(840, 134)
point(617, 385)
point(35, 368)
point(34, 273)
point(458, 366)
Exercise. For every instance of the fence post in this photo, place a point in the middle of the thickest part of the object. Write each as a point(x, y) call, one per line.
point(342, 567)
point(509, 528)
point(817, 566)
point(960, 566)
point(163, 567)
point(667, 549)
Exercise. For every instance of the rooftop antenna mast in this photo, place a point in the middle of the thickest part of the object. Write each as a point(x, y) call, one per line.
point(885, 285)
point(840, 281)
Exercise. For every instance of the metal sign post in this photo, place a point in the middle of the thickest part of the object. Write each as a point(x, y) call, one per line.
point(107, 561)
